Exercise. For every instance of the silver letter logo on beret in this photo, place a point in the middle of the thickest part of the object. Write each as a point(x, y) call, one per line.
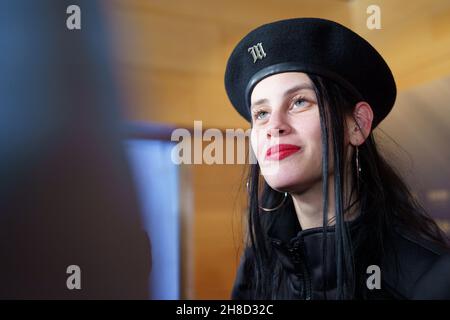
point(257, 52)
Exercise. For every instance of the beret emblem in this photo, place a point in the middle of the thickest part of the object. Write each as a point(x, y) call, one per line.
point(257, 52)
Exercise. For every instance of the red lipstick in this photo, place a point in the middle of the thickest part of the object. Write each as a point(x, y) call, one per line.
point(281, 151)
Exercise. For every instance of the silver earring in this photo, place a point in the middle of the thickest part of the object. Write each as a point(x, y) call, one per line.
point(358, 168)
point(277, 207)
point(271, 209)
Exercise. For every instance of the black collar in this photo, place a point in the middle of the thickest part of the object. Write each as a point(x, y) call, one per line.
point(301, 255)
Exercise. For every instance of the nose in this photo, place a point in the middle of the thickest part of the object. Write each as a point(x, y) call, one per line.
point(277, 126)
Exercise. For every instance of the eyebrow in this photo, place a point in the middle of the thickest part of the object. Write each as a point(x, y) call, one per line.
point(286, 93)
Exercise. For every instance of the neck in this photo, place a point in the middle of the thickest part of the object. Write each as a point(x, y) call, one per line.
point(309, 204)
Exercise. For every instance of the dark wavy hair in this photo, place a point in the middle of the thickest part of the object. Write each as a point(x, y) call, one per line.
point(379, 186)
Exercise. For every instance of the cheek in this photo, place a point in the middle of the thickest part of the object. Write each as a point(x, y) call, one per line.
point(315, 133)
point(317, 152)
point(256, 142)
point(309, 130)
point(311, 133)
point(317, 136)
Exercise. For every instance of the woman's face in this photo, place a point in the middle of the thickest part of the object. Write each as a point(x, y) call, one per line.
point(286, 134)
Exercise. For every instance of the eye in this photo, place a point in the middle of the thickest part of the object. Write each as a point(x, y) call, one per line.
point(260, 114)
point(300, 102)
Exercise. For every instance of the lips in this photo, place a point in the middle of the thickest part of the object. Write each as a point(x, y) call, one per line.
point(281, 151)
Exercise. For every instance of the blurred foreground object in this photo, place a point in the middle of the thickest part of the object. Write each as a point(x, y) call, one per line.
point(66, 192)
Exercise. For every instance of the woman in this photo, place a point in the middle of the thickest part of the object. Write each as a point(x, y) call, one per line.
point(330, 219)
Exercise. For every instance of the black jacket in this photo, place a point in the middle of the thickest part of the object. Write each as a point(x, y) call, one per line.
point(410, 267)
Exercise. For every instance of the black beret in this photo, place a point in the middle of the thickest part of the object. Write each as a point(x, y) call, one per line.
point(313, 46)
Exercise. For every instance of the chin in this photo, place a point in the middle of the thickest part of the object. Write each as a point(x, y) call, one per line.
point(287, 182)
point(282, 183)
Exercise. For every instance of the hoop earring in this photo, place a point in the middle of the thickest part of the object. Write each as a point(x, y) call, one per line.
point(277, 207)
point(272, 209)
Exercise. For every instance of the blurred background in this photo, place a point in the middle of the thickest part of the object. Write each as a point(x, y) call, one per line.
point(86, 123)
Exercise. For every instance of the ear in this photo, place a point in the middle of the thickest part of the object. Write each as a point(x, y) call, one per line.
point(360, 126)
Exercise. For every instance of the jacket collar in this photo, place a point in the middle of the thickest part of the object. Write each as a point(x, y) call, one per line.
point(300, 253)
